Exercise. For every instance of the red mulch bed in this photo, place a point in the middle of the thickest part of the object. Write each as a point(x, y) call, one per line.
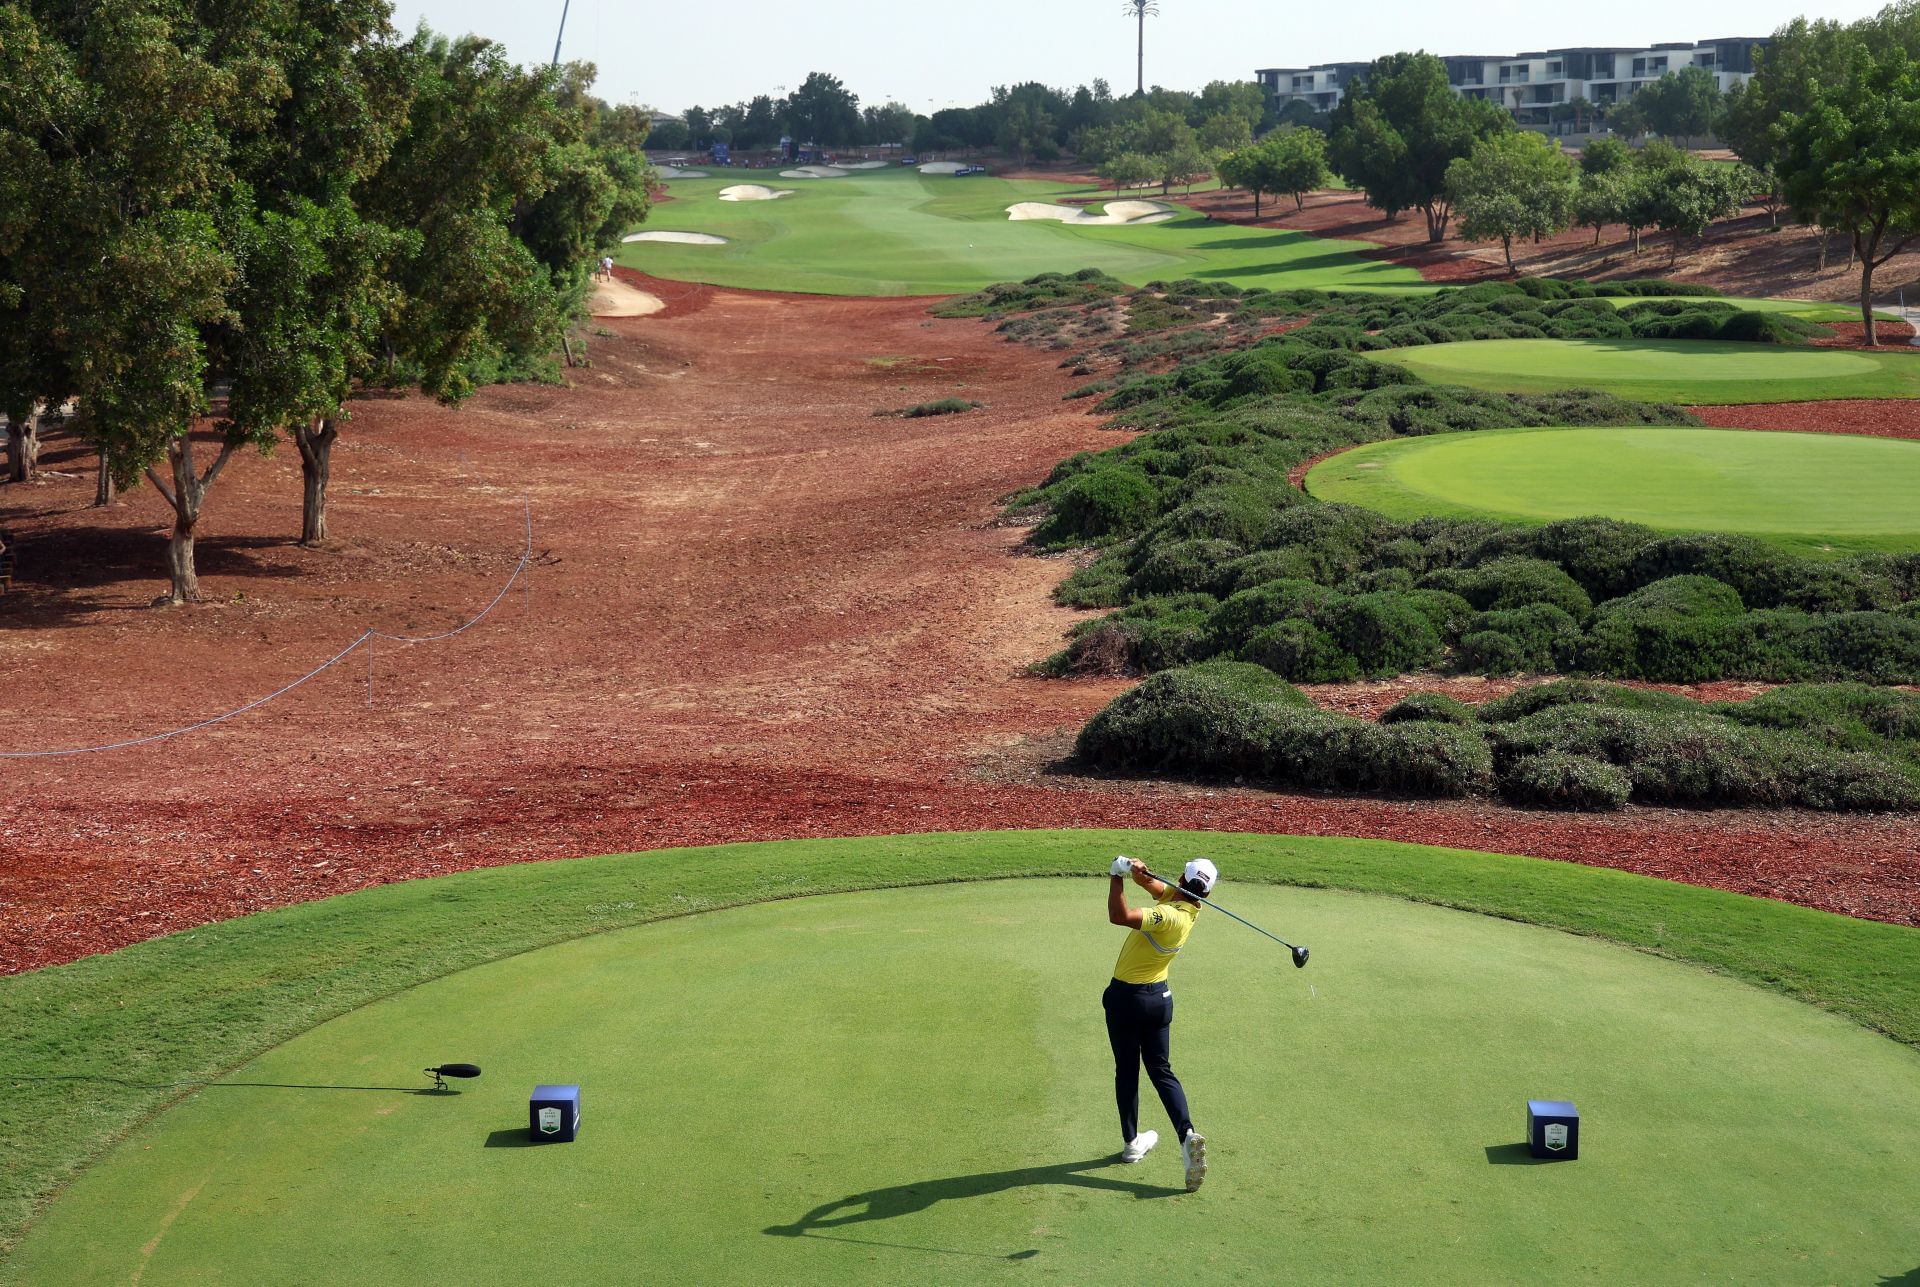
point(1871, 417)
point(756, 610)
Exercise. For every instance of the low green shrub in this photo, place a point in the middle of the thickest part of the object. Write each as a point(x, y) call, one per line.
point(1556, 780)
point(1513, 582)
point(1430, 708)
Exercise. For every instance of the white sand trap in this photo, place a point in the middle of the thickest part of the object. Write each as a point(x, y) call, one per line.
point(1117, 212)
point(617, 299)
point(867, 165)
point(815, 172)
point(753, 192)
point(679, 238)
point(943, 167)
point(669, 172)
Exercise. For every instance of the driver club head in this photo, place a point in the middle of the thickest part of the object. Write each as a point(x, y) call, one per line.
point(1299, 958)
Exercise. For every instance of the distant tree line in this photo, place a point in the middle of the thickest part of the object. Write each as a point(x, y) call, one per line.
point(1031, 121)
point(252, 212)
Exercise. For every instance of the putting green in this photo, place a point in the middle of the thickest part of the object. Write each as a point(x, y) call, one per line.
point(1814, 492)
point(899, 232)
point(1685, 371)
point(913, 1086)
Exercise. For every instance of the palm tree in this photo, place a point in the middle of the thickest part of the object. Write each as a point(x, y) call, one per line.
point(1138, 11)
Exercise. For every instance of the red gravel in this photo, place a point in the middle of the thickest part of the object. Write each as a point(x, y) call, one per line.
point(756, 611)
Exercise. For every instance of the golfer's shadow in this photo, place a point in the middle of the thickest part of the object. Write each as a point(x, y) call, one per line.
point(906, 1199)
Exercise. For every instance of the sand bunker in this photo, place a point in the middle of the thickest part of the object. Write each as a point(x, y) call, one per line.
point(866, 165)
point(943, 167)
point(815, 172)
point(669, 172)
point(753, 192)
point(1117, 212)
point(680, 238)
point(617, 299)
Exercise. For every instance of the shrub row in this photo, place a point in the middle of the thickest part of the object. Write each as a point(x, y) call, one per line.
point(1567, 745)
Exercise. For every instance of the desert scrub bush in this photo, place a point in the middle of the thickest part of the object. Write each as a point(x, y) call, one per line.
point(1043, 291)
point(1695, 757)
point(942, 407)
point(1383, 633)
point(1211, 718)
point(1556, 780)
point(1577, 692)
point(1097, 504)
point(1428, 708)
point(1513, 641)
point(1087, 390)
point(1513, 582)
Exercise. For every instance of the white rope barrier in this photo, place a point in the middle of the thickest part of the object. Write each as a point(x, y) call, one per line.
point(364, 641)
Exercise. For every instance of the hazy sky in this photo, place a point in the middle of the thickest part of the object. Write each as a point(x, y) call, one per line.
point(945, 55)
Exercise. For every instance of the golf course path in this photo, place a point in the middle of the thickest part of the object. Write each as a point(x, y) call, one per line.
point(755, 610)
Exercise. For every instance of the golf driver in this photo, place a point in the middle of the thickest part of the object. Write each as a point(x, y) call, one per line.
point(1299, 953)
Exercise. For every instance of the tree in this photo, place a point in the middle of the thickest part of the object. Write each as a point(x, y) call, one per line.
point(1128, 170)
point(822, 111)
point(1225, 133)
point(1025, 131)
point(1513, 185)
point(1397, 130)
point(1627, 119)
point(1602, 155)
point(1183, 164)
point(888, 124)
point(1680, 105)
point(1680, 194)
point(699, 127)
point(1851, 161)
point(1242, 98)
point(1601, 196)
point(1300, 163)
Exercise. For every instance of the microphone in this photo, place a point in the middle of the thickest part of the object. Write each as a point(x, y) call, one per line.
point(444, 1071)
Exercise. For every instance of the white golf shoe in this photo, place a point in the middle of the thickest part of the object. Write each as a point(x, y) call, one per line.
point(1139, 1146)
point(1193, 1151)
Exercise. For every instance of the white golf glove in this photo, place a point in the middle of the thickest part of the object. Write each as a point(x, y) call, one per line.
point(1122, 866)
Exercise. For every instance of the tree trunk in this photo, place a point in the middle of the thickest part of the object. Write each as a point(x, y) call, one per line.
point(1506, 245)
point(103, 489)
point(1437, 219)
point(316, 468)
point(186, 496)
point(23, 448)
point(1256, 203)
point(1865, 255)
point(1824, 235)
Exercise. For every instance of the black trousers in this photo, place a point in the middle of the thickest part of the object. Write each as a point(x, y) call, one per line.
point(1140, 1029)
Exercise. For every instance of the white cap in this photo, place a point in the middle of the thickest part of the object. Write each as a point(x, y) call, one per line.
point(1199, 876)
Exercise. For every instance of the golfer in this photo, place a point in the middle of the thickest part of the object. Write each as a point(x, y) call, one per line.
point(1139, 1003)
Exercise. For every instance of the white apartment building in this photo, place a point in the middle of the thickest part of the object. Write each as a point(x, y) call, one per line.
point(1530, 85)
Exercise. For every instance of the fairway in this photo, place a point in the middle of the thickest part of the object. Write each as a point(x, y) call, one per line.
point(914, 1085)
point(899, 232)
point(1684, 371)
point(1815, 492)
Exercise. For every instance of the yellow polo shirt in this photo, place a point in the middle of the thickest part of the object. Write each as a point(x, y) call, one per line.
point(1149, 950)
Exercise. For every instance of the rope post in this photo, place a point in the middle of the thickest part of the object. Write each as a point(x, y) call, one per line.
point(369, 672)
